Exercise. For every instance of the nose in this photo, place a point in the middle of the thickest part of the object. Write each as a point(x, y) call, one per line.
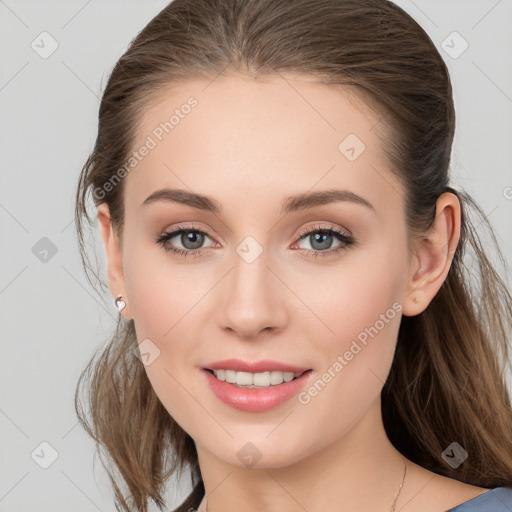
point(252, 299)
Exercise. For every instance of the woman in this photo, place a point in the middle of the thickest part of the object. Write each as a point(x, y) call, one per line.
point(297, 324)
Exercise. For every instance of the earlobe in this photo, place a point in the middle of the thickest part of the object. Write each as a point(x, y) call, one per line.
point(113, 252)
point(433, 256)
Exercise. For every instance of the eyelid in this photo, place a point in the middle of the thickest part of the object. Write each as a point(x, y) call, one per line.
point(323, 227)
point(185, 227)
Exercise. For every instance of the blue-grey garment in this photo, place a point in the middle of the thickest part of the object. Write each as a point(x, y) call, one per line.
point(498, 499)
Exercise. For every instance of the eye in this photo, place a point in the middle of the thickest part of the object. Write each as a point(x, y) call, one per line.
point(190, 237)
point(321, 239)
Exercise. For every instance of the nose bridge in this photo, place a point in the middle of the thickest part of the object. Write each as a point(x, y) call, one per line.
point(252, 300)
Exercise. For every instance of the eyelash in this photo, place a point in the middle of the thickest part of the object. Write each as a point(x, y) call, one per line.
point(345, 239)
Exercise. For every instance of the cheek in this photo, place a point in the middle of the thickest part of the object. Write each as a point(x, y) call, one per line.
point(165, 300)
point(360, 306)
point(161, 292)
point(348, 299)
point(365, 317)
point(162, 302)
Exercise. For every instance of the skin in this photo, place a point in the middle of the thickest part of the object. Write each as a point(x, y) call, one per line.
point(249, 144)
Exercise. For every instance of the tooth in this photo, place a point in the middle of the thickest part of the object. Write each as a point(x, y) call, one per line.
point(276, 378)
point(288, 376)
point(261, 379)
point(244, 378)
point(231, 376)
point(220, 374)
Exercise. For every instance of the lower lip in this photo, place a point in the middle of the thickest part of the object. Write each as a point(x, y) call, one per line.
point(252, 399)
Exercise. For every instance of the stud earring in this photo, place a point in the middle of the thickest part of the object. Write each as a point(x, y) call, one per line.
point(120, 303)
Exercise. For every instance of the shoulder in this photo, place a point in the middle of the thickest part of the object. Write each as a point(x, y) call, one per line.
point(431, 492)
point(498, 499)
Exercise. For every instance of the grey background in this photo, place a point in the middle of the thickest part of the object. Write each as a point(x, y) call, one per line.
point(51, 319)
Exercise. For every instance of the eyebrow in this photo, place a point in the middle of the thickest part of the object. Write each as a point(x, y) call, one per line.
point(290, 204)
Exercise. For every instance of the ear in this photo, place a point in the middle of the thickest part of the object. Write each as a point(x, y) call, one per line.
point(113, 252)
point(432, 255)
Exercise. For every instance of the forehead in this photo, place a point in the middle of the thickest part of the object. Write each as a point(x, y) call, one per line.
point(280, 135)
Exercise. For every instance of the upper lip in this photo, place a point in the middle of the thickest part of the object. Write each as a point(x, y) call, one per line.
point(254, 366)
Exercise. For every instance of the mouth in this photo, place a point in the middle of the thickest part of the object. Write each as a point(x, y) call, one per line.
point(255, 392)
point(259, 380)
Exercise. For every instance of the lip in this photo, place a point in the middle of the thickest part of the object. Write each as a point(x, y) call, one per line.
point(266, 365)
point(252, 399)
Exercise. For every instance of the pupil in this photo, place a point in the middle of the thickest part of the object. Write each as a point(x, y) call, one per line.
point(317, 238)
point(192, 237)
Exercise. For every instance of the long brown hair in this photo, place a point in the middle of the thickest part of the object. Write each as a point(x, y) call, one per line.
point(447, 380)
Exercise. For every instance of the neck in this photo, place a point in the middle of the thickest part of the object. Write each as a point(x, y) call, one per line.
point(361, 471)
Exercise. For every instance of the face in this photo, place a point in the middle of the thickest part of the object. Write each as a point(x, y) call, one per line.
point(315, 284)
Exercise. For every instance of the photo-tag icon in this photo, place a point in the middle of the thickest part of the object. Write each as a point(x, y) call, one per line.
point(44, 250)
point(455, 455)
point(351, 147)
point(44, 455)
point(44, 45)
point(455, 45)
point(249, 454)
point(249, 249)
point(147, 352)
